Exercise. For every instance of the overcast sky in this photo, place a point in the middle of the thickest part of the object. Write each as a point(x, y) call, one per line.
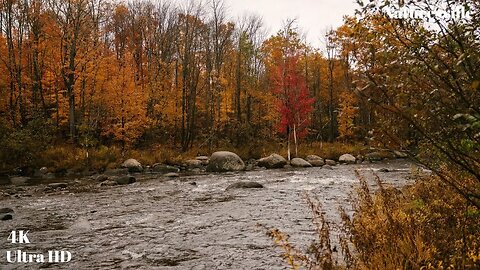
point(313, 16)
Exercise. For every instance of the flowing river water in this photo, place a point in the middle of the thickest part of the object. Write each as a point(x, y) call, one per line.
point(190, 222)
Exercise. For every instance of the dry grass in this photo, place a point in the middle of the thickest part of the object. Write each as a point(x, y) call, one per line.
point(423, 226)
point(332, 150)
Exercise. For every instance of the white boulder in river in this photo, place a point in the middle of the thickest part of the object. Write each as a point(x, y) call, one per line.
point(347, 158)
point(224, 161)
point(132, 165)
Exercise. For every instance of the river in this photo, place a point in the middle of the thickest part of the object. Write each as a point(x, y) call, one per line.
point(190, 222)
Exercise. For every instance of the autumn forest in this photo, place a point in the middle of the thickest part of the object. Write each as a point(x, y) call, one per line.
point(85, 84)
point(104, 73)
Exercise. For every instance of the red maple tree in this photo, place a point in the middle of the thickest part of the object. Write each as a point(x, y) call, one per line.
point(294, 101)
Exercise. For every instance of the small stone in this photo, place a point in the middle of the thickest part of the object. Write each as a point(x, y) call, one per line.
point(43, 170)
point(328, 167)
point(193, 183)
point(384, 170)
point(172, 175)
point(330, 162)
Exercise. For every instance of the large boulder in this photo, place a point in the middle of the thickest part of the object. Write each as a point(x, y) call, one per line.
point(316, 161)
point(300, 162)
point(132, 165)
point(274, 161)
point(224, 161)
point(347, 158)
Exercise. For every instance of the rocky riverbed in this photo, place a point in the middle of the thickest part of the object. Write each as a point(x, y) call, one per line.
point(186, 222)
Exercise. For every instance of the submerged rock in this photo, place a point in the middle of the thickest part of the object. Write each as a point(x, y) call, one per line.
point(162, 168)
point(57, 185)
point(245, 184)
point(6, 213)
point(101, 178)
point(125, 180)
point(274, 161)
point(224, 161)
point(6, 217)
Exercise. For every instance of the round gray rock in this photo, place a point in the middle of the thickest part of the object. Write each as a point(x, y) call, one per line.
point(330, 162)
point(132, 165)
point(347, 158)
point(316, 161)
point(300, 162)
point(224, 161)
point(274, 161)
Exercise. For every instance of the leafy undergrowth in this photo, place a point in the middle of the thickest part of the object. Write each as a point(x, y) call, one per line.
point(423, 226)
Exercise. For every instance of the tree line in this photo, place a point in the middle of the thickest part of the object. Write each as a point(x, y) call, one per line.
point(104, 72)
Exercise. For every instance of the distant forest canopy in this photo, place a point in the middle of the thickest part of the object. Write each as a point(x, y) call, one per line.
point(94, 72)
